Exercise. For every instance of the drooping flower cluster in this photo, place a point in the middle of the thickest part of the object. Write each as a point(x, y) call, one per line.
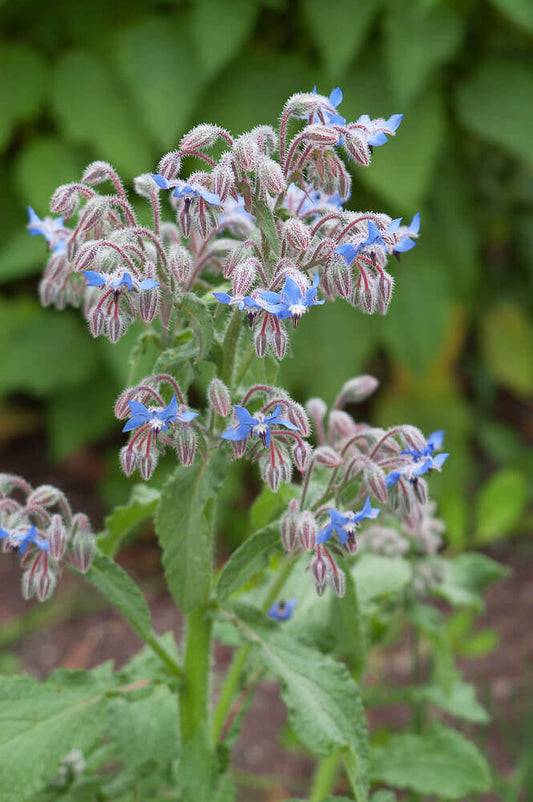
point(40, 525)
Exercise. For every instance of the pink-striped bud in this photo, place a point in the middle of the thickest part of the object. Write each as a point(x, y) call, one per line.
point(239, 447)
point(81, 524)
point(279, 342)
point(340, 279)
point(223, 181)
point(307, 530)
point(357, 390)
point(301, 454)
point(317, 408)
point(374, 481)
point(122, 407)
point(328, 457)
point(338, 582)
point(260, 342)
point(93, 213)
point(170, 165)
point(85, 257)
point(234, 258)
point(289, 526)
point(341, 425)
point(149, 304)
point(275, 472)
point(357, 147)
point(96, 322)
point(384, 292)
point(201, 136)
point(219, 397)
point(128, 460)
point(57, 537)
point(184, 220)
point(350, 545)
point(266, 138)
point(297, 415)
point(421, 490)
point(244, 276)
point(28, 584)
point(321, 134)
point(344, 182)
point(323, 250)
point(65, 200)
point(147, 464)
point(44, 583)
point(83, 551)
point(245, 152)
point(43, 496)
point(270, 176)
point(296, 234)
point(96, 172)
point(413, 437)
point(180, 262)
point(185, 441)
point(365, 295)
point(319, 569)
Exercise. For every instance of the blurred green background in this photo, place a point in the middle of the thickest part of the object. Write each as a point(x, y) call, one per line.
point(122, 81)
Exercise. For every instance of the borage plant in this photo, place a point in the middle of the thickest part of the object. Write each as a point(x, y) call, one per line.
point(247, 244)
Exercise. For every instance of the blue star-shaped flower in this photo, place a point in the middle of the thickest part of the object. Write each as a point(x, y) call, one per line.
point(349, 251)
point(291, 301)
point(52, 229)
point(184, 190)
point(157, 418)
point(423, 460)
point(240, 301)
point(20, 542)
point(125, 281)
point(404, 242)
point(282, 610)
point(260, 425)
point(347, 524)
point(377, 130)
point(335, 99)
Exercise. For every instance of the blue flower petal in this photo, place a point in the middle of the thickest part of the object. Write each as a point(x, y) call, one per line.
point(94, 279)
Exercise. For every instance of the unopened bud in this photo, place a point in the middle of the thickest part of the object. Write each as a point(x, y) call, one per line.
point(149, 304)
point(93, 213)
point(115, 327)
point(219, 397)
point(327, 456)
point(28, 585)
point(147, 465)
point(307, 530)
point(245, 152)
point(239, 447)
point(317, 408)
point(319, 569)
point(374, 481)
point(144, 185)
point(297, 415)
point(266, 138)
point(301, 454)
point(413, 437)
point(357, 390)
point(83, 551)
point(201, 136)
point(305, 103)
point(122, 407)
point(421, 490)
point(270, 176)
point(338, 583)
point(341, 425)
point(223, 180)
point(289, 526)
point(96, 172)
point(185, 441)
point(279, 342)
point(384, 292)
point(170, 165)
point(57, 537)
point(65, 200)
point(260, 342)
point(128, 460)
point(180, 262)
point(357, 147)
point(96, 322)
point(184, 220)
point(244, 276)
point(85, 257)
point(350, 545)
point(296, 233)
point(340, 279)
point(44, 584)
point(365, 295)
point(321, 134)
point(43, 496)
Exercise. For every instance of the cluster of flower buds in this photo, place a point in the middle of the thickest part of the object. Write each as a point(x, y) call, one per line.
point(273, 435)
point(155, 425)
point(40, 525)
point(267, 214)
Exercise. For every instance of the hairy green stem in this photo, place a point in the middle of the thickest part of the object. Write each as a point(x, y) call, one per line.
point(324, 777)
point(194, 696)
point(156, 646)
point(231, 683)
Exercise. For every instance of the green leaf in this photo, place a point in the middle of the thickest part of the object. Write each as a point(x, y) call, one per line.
point(220, 29)
point(201, 321)
point(507, 343)
point(440, 761)
point(468, 578)
point(459, 701)
point(417, 41)
point(378, 578)
point(323, 701)
point(500, 504)
point(519, 11)
point(72, 422)
point(250, 558)
point(402, 171)
point(495, 103)
point(339, 29)
point(142, 504)
point(91, 108)
point(269, 506)
point(157, 63)
point(40, 723)
point(179, 362)
point(41, 166)
point(347, 627)
point(119, 589)
point(267, 223)
point(47, 350)
point(23, 75)
point(184, 523)
point(479, 644)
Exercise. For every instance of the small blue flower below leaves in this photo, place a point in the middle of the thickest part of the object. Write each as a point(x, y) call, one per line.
point(283, 610)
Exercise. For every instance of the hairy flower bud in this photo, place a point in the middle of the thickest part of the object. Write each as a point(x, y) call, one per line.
point(185, 441)
point(297, 415)
point(147, 465)
point(144, 185)
point(319, 569)
point(93, 213)
point(57, 537)
point(65, 200)
point(357, 389)
point(128, 460)
point(317, 408)
point(341, 425)
point(201, 136)
point(223, 181)
point(413, 437)
point(384, 292)
point(28, 584)
point(44, 583)
point(289, 526)
point(170, 165)
point(301, 454)
point(321, 134)
point(180, 262)
point(275, 472)
point(85, 256)
point(339, 278)
point(96, 322)
point(365, 294)
point(327, 456)
point(83, 551)
point(239, 447)
point(244, 276)
point(260, 342)
point(219, 397)
point(296, 234)
point(357, 147)
point(96, 172)
point(307, 530)
point(245, 152)
point(279, 342)
point(270, 176)
point(266, 138)
point(43, 496)
point(149, 299)
point(338, 583)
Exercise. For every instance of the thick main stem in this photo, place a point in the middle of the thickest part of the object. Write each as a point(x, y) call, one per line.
point(194, 697)
point(324, 778)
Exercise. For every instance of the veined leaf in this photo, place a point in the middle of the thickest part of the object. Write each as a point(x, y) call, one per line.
point(250, 558)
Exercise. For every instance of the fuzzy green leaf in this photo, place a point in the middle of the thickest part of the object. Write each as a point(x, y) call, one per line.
point(250, 558)
point(141, 505)
point(201, 321)
point(377, 578)
point(500, 504)
point(439, 761)
point(184, 523)
point(468, 578)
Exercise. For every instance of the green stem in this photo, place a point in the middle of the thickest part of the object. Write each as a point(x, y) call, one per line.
point(324, 778)
point(194, 696)
point(229, 348)
point(240, 658)
point(157, 647)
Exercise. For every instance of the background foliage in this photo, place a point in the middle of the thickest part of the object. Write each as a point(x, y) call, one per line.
point(122, 80)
